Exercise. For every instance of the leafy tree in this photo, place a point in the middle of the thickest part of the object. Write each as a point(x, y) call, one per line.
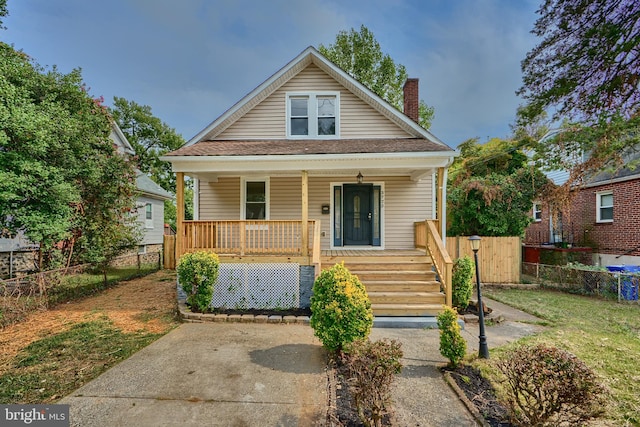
point(587, 70)
point(3, 12)
point(491, 189)
point(150, 138)
point(359, 54)
point(61, 181)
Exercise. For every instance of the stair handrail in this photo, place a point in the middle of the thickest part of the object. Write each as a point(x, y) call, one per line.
point(440, 257)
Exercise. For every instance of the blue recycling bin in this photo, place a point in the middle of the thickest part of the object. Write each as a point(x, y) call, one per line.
point(630, 280)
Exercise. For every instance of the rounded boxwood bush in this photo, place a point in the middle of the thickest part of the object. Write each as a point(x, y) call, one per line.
point(340, 308)
point(197, 274)
point(462, 282)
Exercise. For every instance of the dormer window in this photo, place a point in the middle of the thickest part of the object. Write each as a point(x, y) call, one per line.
point(313, 115)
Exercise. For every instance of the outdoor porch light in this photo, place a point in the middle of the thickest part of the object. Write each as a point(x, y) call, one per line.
point(475, 243)
point(483, 352)
point(359, 177)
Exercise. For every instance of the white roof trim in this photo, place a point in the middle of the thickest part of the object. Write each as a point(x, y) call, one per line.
point(311, 55)
point(123, 139)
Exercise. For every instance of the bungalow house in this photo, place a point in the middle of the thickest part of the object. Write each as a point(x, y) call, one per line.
point(310, 169)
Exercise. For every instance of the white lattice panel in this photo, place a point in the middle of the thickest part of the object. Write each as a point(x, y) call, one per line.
point(269, 286)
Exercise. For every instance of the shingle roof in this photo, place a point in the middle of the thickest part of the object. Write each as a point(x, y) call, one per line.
point(307, 146)
point(148, 186)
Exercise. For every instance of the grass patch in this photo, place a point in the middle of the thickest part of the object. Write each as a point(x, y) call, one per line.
point(602, 333)
point(81, 285)
point(54, 366)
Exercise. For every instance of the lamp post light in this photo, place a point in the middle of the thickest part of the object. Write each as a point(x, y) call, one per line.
point(484, 350)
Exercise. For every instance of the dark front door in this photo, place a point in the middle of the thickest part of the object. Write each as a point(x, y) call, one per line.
point(358, 214)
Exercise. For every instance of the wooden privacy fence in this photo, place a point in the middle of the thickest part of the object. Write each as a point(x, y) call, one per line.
point(499, 258)
point(169, 251)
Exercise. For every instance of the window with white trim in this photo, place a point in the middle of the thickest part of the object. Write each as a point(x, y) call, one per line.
point(604, 206)
point(148, 215)
point(255, 198)
point(537, 212)
point(313, 115)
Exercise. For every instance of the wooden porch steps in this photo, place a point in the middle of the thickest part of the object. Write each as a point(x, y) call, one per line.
point(399, 285)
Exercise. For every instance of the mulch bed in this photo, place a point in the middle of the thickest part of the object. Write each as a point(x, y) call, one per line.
point(481, 394)
point(346, 415)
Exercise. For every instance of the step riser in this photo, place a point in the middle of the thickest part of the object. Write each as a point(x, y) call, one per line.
point(383, 287)
point(416, 311)
point(389, 299)
point(385, 266)
point(394, 276)
point(420, 259)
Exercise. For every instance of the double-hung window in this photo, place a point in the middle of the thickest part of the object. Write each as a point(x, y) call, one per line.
point(255, 199)
point(148, 215)
point(604, 206)
point(537, 212)
point(313, 115)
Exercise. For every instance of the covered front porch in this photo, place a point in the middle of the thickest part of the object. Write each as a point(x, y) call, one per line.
point(401, 261)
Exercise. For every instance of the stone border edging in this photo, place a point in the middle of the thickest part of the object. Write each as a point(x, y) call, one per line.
point(187, 316)
point(463, 397)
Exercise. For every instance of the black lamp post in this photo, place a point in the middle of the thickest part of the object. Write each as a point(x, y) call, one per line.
point(484, 350)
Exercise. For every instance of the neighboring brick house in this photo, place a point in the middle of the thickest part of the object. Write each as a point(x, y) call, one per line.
point(604, 214)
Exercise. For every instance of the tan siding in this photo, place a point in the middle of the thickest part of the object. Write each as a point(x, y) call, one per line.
point(220, 200)
point(404, 203)
point(268, 119)
point(286, 198)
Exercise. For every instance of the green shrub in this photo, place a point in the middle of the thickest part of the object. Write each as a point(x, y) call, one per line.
point(197, 274)
point(547, 386)
point(340, 308)
point(462, 282)
point(372, 367)
point(452, 344)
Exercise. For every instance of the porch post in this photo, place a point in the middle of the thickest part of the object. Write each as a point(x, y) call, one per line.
point(441, 199)
point(179, 213)
point(305, 213)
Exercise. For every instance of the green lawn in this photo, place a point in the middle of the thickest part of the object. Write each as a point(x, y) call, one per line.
point(603, 333)
point(54, 366)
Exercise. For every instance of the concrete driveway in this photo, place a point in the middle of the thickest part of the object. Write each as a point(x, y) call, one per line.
point(215, 374)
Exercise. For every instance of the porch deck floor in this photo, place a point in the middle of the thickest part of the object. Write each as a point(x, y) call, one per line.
point(372, 253)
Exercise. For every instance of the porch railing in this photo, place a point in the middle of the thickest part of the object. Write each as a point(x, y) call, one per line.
point(426, 236)
point(249, 237)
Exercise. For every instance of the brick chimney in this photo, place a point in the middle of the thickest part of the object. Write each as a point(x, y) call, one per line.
point(411, 100)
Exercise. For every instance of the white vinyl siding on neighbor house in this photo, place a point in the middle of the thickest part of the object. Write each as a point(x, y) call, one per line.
point(404, 202)
point(268, 119)
point(604, 206)
point(153, 229)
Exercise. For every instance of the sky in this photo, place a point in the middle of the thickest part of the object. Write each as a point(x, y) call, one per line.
point(190, 60)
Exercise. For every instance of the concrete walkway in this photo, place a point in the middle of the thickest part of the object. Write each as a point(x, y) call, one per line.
point(256, 374)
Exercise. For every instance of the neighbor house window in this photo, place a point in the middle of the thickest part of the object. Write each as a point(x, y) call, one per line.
point(537, 212)
point(148, 215)
point(604, 206)
point(255, 199)
point(313, 115)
